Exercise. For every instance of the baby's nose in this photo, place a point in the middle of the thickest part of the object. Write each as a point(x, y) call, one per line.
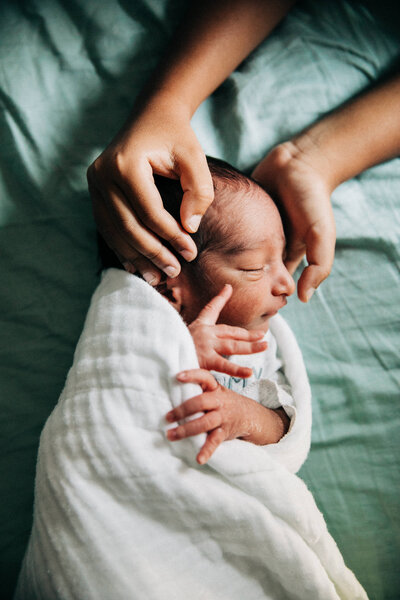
point(284, 283)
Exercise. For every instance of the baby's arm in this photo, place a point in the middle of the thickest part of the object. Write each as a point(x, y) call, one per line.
point(213, 342)
point(227, 415)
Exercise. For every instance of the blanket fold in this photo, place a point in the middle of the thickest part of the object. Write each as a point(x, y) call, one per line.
point(121, 513)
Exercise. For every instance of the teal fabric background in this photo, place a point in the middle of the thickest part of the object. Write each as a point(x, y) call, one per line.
point(69, 73)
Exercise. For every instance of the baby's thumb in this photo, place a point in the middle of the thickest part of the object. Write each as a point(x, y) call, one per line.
point(210, 313)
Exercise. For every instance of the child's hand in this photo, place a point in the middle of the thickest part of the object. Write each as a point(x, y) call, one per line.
point(304, 197)
point(213, 341)
point(228, 415)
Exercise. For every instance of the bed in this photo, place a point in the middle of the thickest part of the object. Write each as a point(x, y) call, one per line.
point(70, 72)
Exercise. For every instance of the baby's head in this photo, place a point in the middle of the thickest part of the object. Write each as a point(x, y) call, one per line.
point(240, 241)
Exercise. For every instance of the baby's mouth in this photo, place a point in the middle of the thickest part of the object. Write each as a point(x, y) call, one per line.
point(271, 313)
point(268, 314)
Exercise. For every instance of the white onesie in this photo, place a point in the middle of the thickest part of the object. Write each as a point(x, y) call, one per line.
point(268, 384)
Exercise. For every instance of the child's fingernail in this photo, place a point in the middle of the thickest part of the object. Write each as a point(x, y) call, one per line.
point(129, 267)
point(201, 460)
point(310, 293)
point(181, 376)
point(171, 271)
point(194, 222)
point(187, 255)
point(170, 416)
point(150, 277)
point(171, 434)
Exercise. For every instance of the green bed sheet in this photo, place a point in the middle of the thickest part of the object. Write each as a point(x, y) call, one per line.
point(69, 72)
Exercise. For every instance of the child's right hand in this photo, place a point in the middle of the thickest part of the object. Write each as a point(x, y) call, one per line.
point(214, 342)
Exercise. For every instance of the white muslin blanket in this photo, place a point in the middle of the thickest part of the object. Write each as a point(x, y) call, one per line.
point(122, 513)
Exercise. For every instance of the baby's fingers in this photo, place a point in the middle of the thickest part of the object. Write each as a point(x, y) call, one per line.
point(239, 333)
point(207, 422)
point(191, 407)
point(225, 366)
point(200, 376)
point(214, 439)
point(210, 313)
point(230, 347)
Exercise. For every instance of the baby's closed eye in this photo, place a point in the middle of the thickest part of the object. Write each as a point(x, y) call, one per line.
point(255, 270)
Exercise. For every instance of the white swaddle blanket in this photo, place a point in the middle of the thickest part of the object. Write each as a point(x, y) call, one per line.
point(121, 513)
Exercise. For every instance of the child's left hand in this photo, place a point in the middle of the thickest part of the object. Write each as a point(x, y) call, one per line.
point(228, 415)
point(213, 341)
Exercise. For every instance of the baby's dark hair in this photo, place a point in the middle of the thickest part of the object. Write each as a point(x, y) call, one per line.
point(215, 232)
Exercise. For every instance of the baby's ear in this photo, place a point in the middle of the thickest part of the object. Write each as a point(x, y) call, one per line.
point(174, 290)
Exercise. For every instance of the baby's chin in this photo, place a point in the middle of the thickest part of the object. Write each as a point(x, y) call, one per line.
point(260, 324)
point(264, 324)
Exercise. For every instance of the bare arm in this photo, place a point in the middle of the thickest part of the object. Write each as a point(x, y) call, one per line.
point(227, 415)
point(361, 134)
point(213, 39)
point(304, 171)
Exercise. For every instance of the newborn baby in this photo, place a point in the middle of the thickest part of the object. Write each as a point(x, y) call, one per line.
point(238, 281)
point(227, 296)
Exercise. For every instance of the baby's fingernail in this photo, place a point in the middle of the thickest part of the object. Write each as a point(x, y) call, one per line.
point(150, 277)
point(171, 434)
point(169, 416)
point(181, 376)
point(310, 293)
point(201, 460)
point(171, 271)
point(194, 222)
point(129, 267)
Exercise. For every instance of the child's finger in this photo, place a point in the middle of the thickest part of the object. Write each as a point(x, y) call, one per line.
point(238, 333)
point(200, 376)
point(207, 422)
point(210, 313)
point(191, 407)
point(230, 347)
point(214, 439)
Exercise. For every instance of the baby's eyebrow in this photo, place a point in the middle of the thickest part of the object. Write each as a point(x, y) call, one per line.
point(239, 246)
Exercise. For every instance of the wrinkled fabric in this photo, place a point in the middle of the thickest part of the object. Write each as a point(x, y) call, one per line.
point(120, 512)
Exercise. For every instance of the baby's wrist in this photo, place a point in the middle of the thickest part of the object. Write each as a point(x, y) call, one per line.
point(264, 425)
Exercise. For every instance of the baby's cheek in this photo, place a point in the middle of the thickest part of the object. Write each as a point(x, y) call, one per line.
point(242, 308)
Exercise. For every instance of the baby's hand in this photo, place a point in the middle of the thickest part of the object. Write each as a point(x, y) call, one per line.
point(227, 414)
point(213, 341)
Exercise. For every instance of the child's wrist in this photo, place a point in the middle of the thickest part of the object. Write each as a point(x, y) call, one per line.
point(308, 147)
point(164, 100)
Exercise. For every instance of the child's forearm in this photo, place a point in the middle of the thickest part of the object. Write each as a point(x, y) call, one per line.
point(266, 425)
point(359, 135)
point(213, 39)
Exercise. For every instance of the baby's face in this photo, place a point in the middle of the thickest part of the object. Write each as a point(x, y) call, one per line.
point(255, 270)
